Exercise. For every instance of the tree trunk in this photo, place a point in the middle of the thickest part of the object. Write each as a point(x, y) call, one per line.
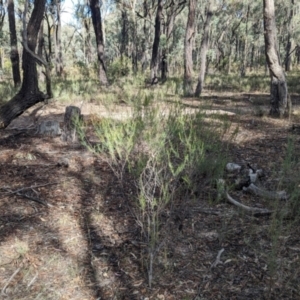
point(171, 16)
point(59, 59)
point(245, 50)
point(40, 48)
point(14, 53)
point(53, 29)
point(290, 42)
point(48, 55)
point(155, 48)
point(88, 42)
point(124, 35)
point(278, 89)
point(203, 50)
point(144, 59)
point(29, 93)
point(188, 50)
point(135, 43)
point(97, 23)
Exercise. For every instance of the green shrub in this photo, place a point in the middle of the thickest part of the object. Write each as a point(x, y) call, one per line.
point(120, 67)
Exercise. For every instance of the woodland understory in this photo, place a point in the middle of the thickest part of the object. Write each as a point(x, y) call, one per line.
point(87, 241)
point(149, 149)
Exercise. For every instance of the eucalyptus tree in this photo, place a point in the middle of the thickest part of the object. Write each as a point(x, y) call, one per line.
point(278, 87)
point(204, 49)
point(290, 44)
point(172, 9)
point(128, 37)
point(14, 53)
point(97, 23)
point(55, 10)
point(29, 93)
point(156, 41)
point(188, 50)
point(2, 15)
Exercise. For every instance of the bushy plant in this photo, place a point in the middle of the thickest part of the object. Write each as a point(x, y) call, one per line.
point(167, 153)
point(120, 67)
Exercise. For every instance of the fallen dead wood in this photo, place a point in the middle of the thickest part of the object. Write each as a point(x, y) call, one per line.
point(218, 259)
point(253, 189)
point(22, 192)
point(9, 281)
point(254, 210)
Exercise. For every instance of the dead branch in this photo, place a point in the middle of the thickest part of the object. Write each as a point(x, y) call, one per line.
point(9, 280)
point(28, 188)
point(27, 196)
point(253, 189)
point(255, 210)
point(33, 199)
point(218, 259)
point(32, 280)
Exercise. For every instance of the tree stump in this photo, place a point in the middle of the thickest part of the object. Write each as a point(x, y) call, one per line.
point(71, 119)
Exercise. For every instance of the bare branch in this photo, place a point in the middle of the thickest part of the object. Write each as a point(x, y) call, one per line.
point(254, 210)
point(252, 188)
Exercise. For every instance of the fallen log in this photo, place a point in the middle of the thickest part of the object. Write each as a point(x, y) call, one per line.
point(253, 189)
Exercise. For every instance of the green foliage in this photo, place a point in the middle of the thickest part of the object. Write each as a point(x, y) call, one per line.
point(167, 153)
point(120, 67)
point(234, 82)
point(7, 91)
point(70, 88)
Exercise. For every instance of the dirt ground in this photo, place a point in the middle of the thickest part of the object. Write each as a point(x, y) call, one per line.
point(86, 244)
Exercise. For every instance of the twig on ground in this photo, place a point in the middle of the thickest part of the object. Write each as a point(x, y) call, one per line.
point(27, 188)
point(218, 260)
point(255, 210)
point(206, 211)
point(9, 281)
point(35, 199)
point(32, 280)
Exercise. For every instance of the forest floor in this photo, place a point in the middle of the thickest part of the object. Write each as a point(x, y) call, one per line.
point(86, 244)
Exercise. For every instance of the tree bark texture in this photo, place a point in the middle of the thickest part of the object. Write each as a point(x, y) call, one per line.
point(88, 41)
point(124, 35)
point(278, 89)
point(188, 50)
point(145, 37)
point(290, 41)
point(168, 29)
point(14, 53)
point(246, 46)
point(29, 93)
point(155, 48)
point(203, 50)
point(59, 58)
point(97, 23)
